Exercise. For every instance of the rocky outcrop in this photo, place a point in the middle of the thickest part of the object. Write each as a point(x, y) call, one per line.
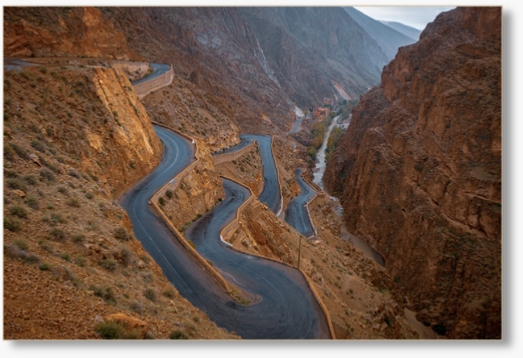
point(197, 190)
point(131, 143)
point(419, 172)
point(56, 32)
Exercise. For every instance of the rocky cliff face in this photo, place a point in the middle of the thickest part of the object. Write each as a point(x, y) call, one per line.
point(419, 172)
point(55, 32)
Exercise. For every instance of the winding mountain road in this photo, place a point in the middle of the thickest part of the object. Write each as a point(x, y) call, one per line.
point(287, 309)
point(158, 69)
point(270, 195)
point(297, 214)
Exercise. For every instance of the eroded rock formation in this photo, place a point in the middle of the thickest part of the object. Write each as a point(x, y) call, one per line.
point(419, 172)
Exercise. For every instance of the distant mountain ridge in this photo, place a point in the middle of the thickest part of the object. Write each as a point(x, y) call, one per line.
point(409, 31)
point(388, 38)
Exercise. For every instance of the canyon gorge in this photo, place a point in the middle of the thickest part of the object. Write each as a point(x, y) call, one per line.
point(152, 171)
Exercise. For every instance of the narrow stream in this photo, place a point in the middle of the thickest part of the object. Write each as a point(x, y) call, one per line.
point(319, 169)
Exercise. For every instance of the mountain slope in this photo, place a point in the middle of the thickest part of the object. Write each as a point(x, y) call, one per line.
point(75, 138)
point(387, 38)
point(53, 32)
point(309, 48)
point(411, 32)
point(419, 172)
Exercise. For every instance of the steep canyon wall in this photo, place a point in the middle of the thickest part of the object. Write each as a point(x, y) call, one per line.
point(419, 172)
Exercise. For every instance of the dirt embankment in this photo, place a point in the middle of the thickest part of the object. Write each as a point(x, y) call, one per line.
point(244, 166)
point(74, 139)
point(419, 172)
point(195, 193)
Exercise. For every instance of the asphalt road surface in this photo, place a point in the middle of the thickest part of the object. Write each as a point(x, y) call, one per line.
point(287, 308)
point(296, 126)
point(296, 214)
point(271, 190)
point(158, 69)
point(244, 142)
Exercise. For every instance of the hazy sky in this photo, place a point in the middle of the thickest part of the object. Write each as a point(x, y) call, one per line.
point(417, 17)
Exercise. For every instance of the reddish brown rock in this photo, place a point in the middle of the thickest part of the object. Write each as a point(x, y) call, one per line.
point(420, 169)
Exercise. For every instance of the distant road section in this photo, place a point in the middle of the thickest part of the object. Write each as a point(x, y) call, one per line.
point(158, 69)
point(297, 214)
point(161, 76)
point(16, 64)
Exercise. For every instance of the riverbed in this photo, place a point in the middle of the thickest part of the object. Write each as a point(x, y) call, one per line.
point(319, 168)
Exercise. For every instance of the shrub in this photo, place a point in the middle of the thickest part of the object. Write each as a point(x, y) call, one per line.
point(32, 202)
point(89, 195)
point(10, 174)
point(66, 256)
point(161, 201)
point(150, 294)
point(18, 210)
point(104, 292)
point(12, 224)
point(110, 330)
point(176, 334)
point(80, 261)
point(57, 234)
point(15, 252)
point(45, 245)
point(39, 146)
point(20, 151)
point(44, 266)
point(121, 234)
point(9, 153)
point(168, 194)
point(126, 256)
point(15, 184)
point(47, 174)
point(78, 238)
point(136, 307)
point(73, 202)
point(313, 152)
point(22, 245)
point(169, 293)
point(32, 259)
point(29, 179)
point(57, 218)
point(108, 264)
point(74, 174)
